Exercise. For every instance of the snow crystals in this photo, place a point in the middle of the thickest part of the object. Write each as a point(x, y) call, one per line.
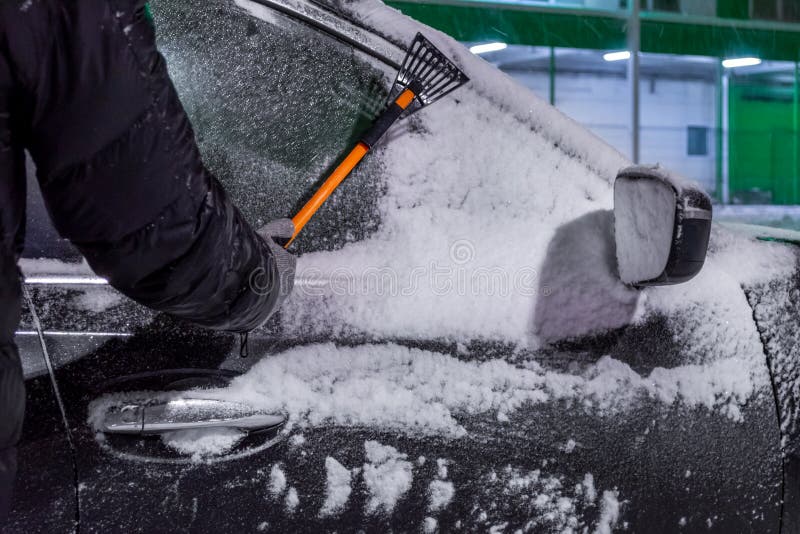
point(387, 475)
point(548, 502)
point(337, 488)
point(277, 481)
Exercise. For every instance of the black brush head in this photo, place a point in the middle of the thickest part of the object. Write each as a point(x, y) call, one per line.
point(431, 72)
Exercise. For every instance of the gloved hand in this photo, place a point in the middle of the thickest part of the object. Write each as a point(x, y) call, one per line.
point(285, 262)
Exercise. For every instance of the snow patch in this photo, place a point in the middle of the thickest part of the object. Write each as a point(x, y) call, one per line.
point(396, 387)
point(277, 481)
point(440, 493)
point(337, 488)
point(297, 441)
point(741, 256)
point(588, 489)
point(429, 525)
point(97, 300)
point(292, 500)
point(569, 446)
point(388, 476)
point(441, 468)
point(548, 501)
point(200, 443)
point(609, 513)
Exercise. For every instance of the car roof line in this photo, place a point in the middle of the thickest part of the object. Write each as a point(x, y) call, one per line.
point(322, 18)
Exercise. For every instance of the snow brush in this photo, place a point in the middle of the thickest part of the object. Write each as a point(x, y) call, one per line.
point(425, 76)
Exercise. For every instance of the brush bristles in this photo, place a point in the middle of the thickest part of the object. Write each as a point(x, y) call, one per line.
point(431, 68)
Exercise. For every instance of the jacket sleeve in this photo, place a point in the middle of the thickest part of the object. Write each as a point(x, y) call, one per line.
point(196, 258)
point(121, 173)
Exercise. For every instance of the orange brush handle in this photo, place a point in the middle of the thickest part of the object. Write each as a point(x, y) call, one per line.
point(348, 164)
point(327, 188)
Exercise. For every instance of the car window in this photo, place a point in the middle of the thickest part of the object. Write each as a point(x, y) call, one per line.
point(275, 103)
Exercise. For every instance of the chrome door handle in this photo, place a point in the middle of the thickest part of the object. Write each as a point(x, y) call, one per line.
point(186, 414)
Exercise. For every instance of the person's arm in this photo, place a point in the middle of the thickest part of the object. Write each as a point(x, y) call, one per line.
point(122, 176)
point(12, 206)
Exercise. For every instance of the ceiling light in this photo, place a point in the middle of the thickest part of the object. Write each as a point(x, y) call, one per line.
point(740, 62)
point(617, 56)
point(487, 47)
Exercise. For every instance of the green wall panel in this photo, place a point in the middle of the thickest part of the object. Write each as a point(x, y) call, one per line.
point(733, 9)
point(519, 24)
point(718, 41)
point(510, 24)
point(762, 143)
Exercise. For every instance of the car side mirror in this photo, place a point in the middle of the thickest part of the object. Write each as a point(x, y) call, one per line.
point(661, 226)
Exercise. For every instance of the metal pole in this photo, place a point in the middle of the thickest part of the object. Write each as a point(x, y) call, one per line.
point(795, 110)
point(634, 43)
point(719, 133)
point(552, 76)
point(726, 138)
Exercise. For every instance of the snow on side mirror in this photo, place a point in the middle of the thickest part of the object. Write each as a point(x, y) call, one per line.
point(661, 226)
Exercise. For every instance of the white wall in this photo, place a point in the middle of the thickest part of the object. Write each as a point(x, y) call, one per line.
point(601, 103)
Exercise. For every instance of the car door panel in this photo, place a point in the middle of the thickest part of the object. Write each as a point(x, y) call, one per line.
point(93, 336)
point(44, 498)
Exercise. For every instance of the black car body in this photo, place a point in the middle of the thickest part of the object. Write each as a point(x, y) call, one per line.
point(576, 403)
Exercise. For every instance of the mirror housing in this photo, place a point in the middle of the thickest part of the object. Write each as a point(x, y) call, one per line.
point(662, 225)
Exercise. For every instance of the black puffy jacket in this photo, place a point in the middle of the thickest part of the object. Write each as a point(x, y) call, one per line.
point(84, 90)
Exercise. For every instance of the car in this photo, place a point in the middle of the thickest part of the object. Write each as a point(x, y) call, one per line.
point(459, 352)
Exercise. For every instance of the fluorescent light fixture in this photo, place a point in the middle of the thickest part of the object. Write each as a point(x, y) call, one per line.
point(740, 62)
point(487, 47)
point(617, 56)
